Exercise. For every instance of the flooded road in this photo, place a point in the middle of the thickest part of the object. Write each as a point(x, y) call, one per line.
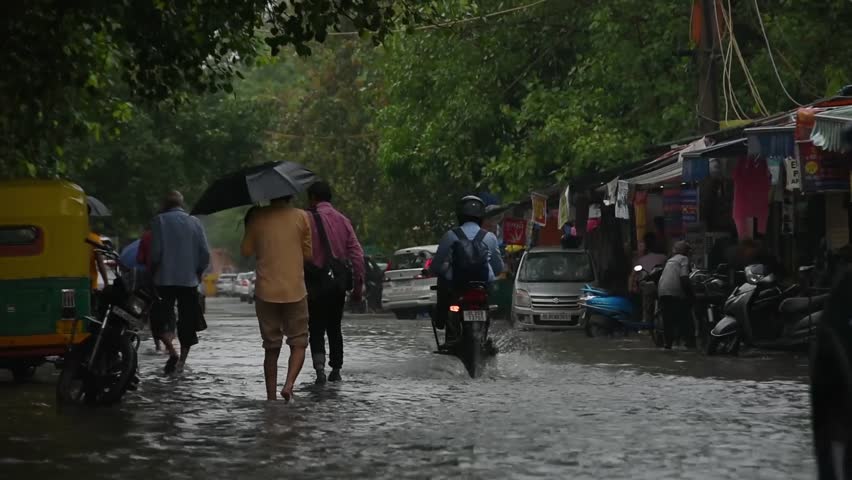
point(551, 405)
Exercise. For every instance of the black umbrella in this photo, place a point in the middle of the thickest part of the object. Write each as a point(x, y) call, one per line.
point(97, 207)
point(254, 185)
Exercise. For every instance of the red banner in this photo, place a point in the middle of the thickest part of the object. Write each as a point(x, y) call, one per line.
point(514, 231)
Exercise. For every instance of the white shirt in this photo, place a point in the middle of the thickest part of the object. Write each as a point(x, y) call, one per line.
point(670, 286)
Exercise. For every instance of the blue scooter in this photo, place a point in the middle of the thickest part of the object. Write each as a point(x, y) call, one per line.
point(604, 314)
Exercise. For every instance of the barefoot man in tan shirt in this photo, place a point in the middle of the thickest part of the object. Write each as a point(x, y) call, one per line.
point(280, 237)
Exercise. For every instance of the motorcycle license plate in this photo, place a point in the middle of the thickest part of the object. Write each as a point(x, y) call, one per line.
point(475, 316)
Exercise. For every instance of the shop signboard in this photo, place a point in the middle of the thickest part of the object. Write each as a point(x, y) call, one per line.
point(689, 206)
point(514, 231)
point(822, 171)
point(794, 174)
point(539, 209)
point(673, 213)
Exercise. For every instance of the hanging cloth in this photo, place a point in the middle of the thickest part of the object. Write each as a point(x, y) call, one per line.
point(751, 196)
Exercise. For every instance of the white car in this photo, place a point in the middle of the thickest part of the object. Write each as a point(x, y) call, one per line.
point(225, 284)
point(242, 286)
point(548, 287)
point(406, 291)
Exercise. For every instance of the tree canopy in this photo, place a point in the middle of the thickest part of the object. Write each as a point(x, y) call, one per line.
point(445, 97)
point(69, 70)
point(561, 88)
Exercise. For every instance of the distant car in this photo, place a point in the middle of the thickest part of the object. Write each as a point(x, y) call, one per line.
point(374, 280)
point(406, 291)
point(547, 288)
point(381, 261)
point(251, 288)
point(225, 284)
point(242, 285)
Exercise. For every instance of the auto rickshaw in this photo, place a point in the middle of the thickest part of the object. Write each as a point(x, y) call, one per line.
point(45, 282)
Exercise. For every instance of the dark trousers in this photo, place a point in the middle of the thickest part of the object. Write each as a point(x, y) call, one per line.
point(326, 315)
point(677, 320)
point(442, 302)
point(189, 313)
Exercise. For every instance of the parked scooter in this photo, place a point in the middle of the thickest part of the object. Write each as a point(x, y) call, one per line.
point(711, 290)
point(760, 313)
point(605, 314)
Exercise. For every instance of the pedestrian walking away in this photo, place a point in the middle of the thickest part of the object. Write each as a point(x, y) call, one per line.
point(279, 236)
point(337, 266)
point(179, 257)
point(675, 294)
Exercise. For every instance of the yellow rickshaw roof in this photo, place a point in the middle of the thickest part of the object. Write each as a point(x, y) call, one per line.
point(41, 198)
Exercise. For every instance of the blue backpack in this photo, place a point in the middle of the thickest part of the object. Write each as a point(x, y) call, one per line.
point(470, 258)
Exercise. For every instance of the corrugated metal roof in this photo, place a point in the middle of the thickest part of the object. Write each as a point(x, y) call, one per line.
point(829, 128)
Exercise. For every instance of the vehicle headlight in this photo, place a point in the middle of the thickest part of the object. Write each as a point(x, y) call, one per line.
point(522, 299)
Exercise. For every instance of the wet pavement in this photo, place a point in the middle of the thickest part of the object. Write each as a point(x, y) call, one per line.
point(550, 405)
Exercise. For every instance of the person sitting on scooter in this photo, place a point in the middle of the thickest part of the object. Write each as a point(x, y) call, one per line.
point(470, 211)
point(675, 294)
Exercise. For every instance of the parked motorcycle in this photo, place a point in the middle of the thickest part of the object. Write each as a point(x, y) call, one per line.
point(101, 369)
point(711, 290)
point(760, 313)
point(605, 314)
point(471, 313)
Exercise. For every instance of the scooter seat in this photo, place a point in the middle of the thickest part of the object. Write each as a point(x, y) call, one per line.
point(803, 304)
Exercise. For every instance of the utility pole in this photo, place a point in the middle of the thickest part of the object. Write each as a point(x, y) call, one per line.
point(708, 72)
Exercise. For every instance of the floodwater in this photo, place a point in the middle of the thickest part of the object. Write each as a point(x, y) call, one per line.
point(550, 405)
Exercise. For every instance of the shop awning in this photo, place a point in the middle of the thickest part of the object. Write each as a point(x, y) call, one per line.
point(663, 173)
point(666, 168)
point(828, 132)
point(731, 148)
point(775, 141)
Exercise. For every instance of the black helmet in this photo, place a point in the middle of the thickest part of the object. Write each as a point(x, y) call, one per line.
point(470, 208)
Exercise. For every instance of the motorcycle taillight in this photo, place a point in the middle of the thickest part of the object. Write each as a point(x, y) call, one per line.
point(475, 297)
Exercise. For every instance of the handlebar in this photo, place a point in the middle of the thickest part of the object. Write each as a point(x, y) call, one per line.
point(104, 250)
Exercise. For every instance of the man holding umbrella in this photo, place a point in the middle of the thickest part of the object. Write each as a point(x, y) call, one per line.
point(279, 235)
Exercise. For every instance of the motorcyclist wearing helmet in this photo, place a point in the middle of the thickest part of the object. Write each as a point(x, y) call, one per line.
point(470, 212)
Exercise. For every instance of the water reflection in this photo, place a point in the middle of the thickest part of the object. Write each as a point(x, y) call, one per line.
point(550, 405)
